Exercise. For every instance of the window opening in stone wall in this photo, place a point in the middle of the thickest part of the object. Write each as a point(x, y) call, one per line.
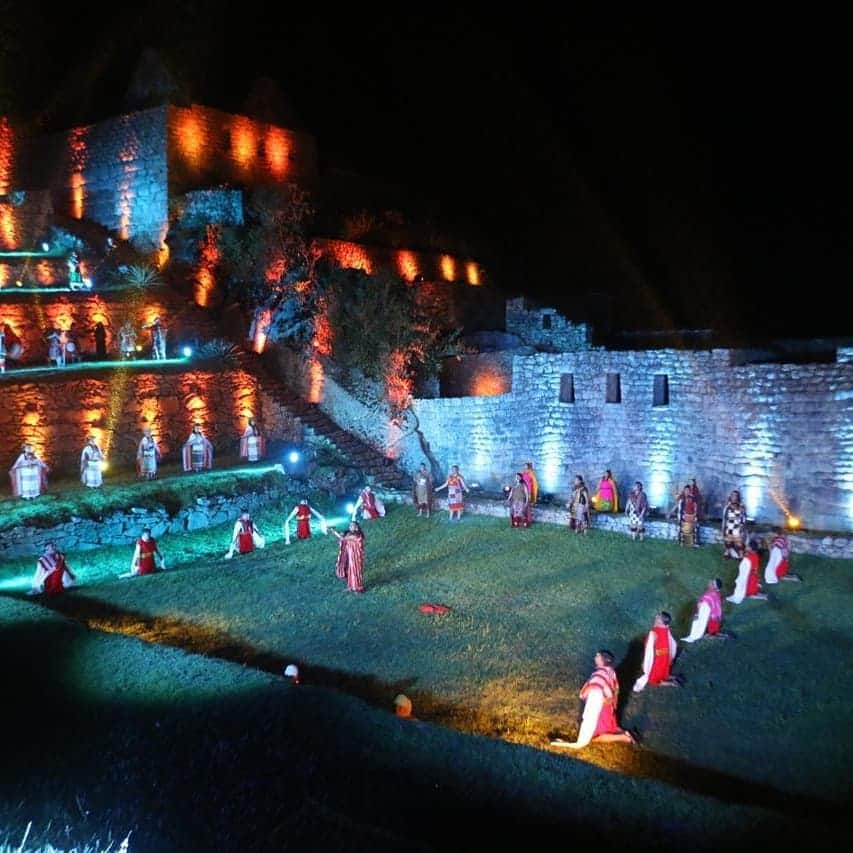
point(661, 393)
point(614, 388)
point(567, 388)
point(546, 321)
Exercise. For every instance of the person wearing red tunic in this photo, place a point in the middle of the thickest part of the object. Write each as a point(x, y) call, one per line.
point(709, 614)
point(53, 574)
point(778, 564)
point(302, 512)
point(246, 536)
point(144, 553)
point(350, 564)
point(659, 655)
point(455, 485)
point(601, 695)
point(746, 583)
point(371, 507)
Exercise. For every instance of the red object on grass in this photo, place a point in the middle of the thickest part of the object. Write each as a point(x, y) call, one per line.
point(438, 609)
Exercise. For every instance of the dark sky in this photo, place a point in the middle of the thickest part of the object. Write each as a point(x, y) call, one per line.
point(686, 171)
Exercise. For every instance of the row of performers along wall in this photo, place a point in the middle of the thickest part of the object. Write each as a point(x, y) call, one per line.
point(63, 346)
point(29, 473)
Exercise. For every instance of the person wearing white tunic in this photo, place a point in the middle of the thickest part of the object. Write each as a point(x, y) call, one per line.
point(746, 583)
point(147, 456)
point(197, 452)
point(246, 536)
point(778, 565)
point(709, 614)
point(252, 443)
point(659, 655)
point(28, 474)
point(91, 464)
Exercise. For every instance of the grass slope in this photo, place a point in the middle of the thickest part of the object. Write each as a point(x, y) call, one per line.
point(733, 751)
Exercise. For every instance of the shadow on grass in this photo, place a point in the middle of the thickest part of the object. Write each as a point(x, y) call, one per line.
point(642, 763)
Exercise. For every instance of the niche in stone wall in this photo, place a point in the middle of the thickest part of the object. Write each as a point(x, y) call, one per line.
point(614, 388)
point(546, 321)
point(567, 388)
point(661, 390)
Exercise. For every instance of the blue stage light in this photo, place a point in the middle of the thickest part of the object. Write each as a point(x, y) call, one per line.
point(350, 508)
point(45, 247)
point(293, 457)
point(187, 352)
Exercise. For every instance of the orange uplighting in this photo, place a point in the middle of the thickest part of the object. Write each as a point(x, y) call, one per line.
point(323, 336)
point(8, 226)
point(489, 384)
point(262, 330)
point(7, 155)
point(191, 131)
point(4, 276)
point(44, 273)
point(277, 149)
point(275, 269)
point(316, 381)
point(162, 256)
point(209, 257)
point(407, 265)
point(350, 256)
point(244, 141)
point(397, 382)
point(448, 268)
point(77, 195)
point(472, 273)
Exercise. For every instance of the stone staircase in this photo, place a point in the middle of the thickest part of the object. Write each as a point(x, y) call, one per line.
point(316, 423)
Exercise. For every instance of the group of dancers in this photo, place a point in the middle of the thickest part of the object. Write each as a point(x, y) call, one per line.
point(29, 473)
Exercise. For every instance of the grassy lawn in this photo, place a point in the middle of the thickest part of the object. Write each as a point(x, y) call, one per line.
point(758, 744)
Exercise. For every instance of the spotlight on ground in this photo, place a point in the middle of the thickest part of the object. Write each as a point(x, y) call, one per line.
point(187, 352)
point(104, 465)
point(45, 247)
point(139, 347)
point(350, 508)
point(293, 457)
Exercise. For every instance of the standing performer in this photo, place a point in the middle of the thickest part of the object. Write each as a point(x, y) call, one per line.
point(455, 485)
point(53, 574)
point(709, 614)
point(746, 583)
point(601, 695)
point(371, 507)
point(606, 497)
point(532, 483)
point(246, 536)
point(578, 506)
point(197, 452)
point(158, 338)
point(636, 508)
point(659, 655)
point(734, 527)
point(422, 490)
point(91, 464)
point(350, 564)
point(686, 511)
point(10, 345)
point(147, 456)
point(142, 562)
point(100, 335)
point(28, 474)
point(518, 501)
point(778, 566)
point(127, 340)
point(252, 445)
point(55, 349)
point(75, 273)
point(302, 512)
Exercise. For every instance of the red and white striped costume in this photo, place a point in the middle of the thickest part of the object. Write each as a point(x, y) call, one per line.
point(601, 694)
point(777, 565)
point(658, 657)
point(252, 445)
point(708, 618)
point(371, 507)
point(52, 574)
point(91, 466)
point(197, 452)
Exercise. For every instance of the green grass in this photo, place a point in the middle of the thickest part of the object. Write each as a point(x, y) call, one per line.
point(758, 741)
point(173, 489)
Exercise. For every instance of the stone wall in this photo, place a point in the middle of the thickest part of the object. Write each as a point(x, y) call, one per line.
point(24, 222)
point(483, 375)
point(207, 147)
point(545, 327)
point(198, 208)
point(56, 414)
point(781, 434)
point(113, 172)
point(31, 315)
point(125, 527)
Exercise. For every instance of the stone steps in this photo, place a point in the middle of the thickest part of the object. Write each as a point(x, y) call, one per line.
point(316, 423)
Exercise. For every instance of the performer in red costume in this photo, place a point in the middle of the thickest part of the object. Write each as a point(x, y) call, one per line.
point(246, 536)
point(709, 614)
point(144, 553)
point(371, 507)
point(53, 574)
point(302, 512)
point(659, 655)
point(746, 583)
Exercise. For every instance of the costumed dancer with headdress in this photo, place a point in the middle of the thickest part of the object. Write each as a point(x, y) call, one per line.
point(747, 583)
point(92, 464)
point(532, 483)
point(659, 655)
point(28, 474)
point(636, 509)
point(422, 490)
point(734, 527)
point(147, 456)
point(142, 562)
point(709, 614)
point(778, 563)
point(606, 497)
point(578, 506)
point(252, 445)
point(370, 505)
point(455, 485)
point(158, 338)
point(686, 511)
point(350, 563)
point(53, 575)
point(197, 452)
point(246, 536)
point(302, 512)
point(10, 345)
point(518, 501)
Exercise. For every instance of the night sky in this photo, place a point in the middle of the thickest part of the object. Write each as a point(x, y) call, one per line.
point(680, 172)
